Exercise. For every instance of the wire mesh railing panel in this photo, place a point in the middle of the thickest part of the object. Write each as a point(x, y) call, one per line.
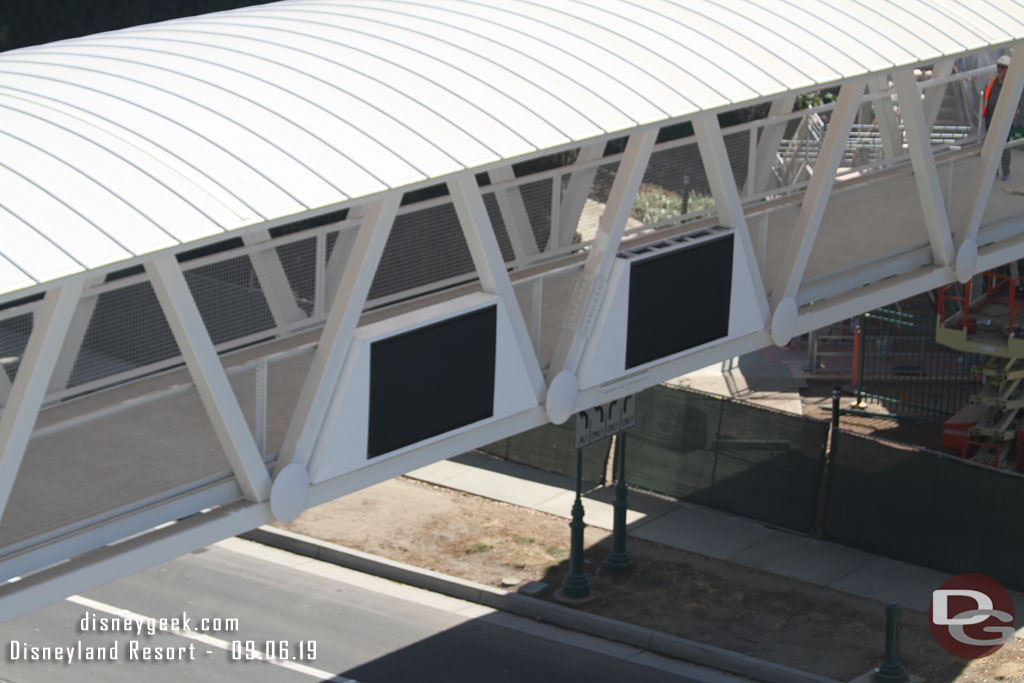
point(424, 247)
point(104, 466)
point(248, 394)
point(500, 229)
point(537, 200)
point(557, 305)
point(674, 184)
point(285, 378)
point(299, 262)
point(230, 299)
point(127, 331)
point(739, 150)
point(14, 334)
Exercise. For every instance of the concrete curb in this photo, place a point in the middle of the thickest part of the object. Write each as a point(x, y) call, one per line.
point(521, 605)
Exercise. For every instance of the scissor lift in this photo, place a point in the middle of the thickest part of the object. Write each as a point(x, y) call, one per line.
point(991, 325)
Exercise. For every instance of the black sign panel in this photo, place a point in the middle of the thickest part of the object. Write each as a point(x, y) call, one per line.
point(678, 300)
point(431, 380)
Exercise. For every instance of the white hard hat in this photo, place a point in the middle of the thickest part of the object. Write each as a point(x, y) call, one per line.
point(1004, 61)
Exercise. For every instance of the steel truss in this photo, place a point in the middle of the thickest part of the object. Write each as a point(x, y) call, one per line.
point(551, 281)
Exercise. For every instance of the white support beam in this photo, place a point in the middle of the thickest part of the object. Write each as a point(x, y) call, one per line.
point(856, 301)
point(5, 386)
point(209, 377)
point(816, 197)
point(339, 253)
point(490, 267)
point(273, 279)
point(336, 338)
point(888, 127)
point(29, 387)
point(590, 288)
point(934, 95)
point(75, 336)
point(513, 213)
point(771, 137)
point(926, 174)
point(992, 149)
point(727, 196)
point(574, 199)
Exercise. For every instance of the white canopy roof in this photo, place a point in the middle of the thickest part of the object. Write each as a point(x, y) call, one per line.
point(124, 143)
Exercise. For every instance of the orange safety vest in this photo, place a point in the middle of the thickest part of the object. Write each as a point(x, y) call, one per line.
point(988, 91)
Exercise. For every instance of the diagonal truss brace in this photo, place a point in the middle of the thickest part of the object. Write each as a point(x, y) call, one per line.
point(483, 247)
point(768, 145)
point(574, 199)
point(29, 387)
point(727, 196)
point(995, 140)
point(816, 197)
point(925, 173)
point(211, 381)
point(513, 213)
point(588, 295)
point(346, 307)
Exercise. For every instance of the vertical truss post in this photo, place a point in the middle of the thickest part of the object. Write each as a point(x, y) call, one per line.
point(513, 214)
point(888, 128)
point(75, 336)
point(337, 260)
point(5, 386)
point(29, 387)
point(935, 94)
point(346, 307)
point(727, 196)
point(816, 197)
point(771, 136)
point(925, 172)
point(272, 278)
point(590, 288)
point(490, 267)
point(992, 149)
point(574, 199)
point(208, 374)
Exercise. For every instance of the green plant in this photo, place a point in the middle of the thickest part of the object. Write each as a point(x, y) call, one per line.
point(698, 202)
point(654, 203)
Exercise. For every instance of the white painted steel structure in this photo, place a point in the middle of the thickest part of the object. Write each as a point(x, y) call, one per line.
point(172, 397)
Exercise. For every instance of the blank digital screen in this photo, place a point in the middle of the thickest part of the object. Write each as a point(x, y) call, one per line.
point(678, 300)
point(431, 380)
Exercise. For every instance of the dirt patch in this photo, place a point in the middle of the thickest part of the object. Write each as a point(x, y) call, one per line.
point(712, 601)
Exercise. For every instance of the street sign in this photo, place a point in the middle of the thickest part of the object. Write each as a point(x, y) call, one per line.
point(594, 424)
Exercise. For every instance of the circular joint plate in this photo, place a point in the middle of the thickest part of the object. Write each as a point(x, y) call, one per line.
point(784, 321)
point(967, 260)
point(288, 492)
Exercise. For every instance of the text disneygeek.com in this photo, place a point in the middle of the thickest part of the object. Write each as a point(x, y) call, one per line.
point(137, 647)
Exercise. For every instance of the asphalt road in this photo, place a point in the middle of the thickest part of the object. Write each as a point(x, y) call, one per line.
point(241, 612)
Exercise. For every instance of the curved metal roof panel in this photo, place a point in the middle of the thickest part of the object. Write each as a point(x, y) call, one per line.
point(120, 144)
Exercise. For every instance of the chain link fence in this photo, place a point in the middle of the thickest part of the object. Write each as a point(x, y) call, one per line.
point(729, 455)
point(926, 508)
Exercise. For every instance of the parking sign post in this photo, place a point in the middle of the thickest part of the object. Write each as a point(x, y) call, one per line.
point(593, 425)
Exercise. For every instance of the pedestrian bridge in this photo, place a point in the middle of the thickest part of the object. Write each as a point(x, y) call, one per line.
point(256, 260)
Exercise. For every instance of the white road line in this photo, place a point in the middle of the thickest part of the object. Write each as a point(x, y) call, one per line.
point(319, 674)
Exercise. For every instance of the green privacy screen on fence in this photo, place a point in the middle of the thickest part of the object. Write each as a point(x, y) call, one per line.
point(926, 508)
point(550, 448)
point(728, 455)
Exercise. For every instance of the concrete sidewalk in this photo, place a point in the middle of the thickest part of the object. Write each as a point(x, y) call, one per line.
point(698, 530)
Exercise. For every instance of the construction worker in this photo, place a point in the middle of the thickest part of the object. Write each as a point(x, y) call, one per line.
point(995, 86)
